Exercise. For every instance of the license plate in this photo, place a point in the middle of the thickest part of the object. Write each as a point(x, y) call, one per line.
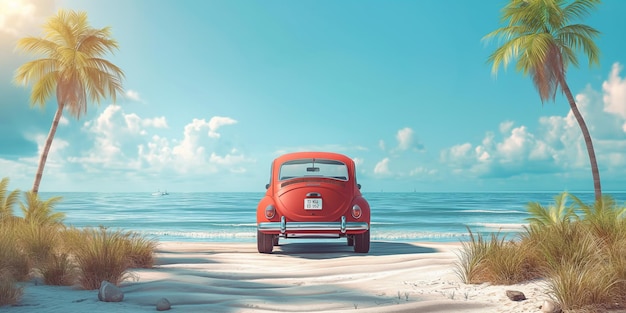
point(313, 204)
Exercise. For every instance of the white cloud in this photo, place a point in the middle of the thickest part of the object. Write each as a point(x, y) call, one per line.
point(557, 146)
point(405, 138)
point(422, 171)
point(345, 149)
point(14, 14)
point(358, 162)
point(134, 95)
point(615, 94)
point(506, 126)
point(382, 167)
point(63, 120)
point(56, 155)
point(381, 144)
point(516, 146)
point(129, 143)
point(21, 173)
point(20, 18)
point(216, 122)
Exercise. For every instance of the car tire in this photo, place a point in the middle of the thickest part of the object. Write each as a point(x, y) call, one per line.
point(264, 243)
point(362, 242)
point(350, 241)
point(275, 240)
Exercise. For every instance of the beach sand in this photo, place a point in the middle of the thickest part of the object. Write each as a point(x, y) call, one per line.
point(298, 277)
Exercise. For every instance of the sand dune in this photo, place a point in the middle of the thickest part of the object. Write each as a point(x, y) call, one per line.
point(298, 277)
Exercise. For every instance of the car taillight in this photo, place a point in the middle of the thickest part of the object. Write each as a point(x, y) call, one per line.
point(270, 212)
point(356, 211)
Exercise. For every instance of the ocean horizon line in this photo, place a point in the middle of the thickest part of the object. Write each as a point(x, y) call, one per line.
point(369, 192)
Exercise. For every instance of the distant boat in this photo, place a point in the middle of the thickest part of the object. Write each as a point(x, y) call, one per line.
point(160, 193)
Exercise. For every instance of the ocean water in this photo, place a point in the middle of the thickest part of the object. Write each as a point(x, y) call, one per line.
point(439, 217)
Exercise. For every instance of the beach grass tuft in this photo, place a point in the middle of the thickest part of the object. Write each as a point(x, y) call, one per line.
point(38, 242)
point(59, 270)
point(140, 250)
point(10, 293)
point(100, 254)
point(13, 261)
point(13, 266)
point(581, 257)
point(495, 260)
point(39, 245)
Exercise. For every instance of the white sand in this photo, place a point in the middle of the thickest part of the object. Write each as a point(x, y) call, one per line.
point(298, 277)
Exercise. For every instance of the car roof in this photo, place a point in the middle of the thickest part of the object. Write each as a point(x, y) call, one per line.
point(314, 155)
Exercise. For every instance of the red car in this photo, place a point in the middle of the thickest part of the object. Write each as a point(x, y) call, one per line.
point(313, 195)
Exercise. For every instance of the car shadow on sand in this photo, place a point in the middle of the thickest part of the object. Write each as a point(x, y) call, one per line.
point(331, 249)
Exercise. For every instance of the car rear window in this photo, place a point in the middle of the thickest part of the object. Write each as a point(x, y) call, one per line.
point(313, 168)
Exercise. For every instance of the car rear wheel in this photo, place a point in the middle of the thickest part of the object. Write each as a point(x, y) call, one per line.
point(362, 242)
point(264, 243)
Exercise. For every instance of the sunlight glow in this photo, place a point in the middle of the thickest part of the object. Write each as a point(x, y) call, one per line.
point(14, 13)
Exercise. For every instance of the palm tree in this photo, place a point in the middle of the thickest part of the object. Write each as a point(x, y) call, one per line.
point(72, 66)
point(555, 215)
point(7, 201)
point(540, 35)
point(39, 212)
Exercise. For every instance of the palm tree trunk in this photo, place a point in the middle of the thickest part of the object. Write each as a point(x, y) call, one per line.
point(46, 148)
point(583, 127)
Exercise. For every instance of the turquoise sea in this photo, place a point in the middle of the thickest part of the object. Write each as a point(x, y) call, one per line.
point(232, 216)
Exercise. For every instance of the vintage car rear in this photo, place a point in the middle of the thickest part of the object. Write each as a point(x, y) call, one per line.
point(313, 195)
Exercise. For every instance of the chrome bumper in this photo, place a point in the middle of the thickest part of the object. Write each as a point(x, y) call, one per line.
point(285, 227)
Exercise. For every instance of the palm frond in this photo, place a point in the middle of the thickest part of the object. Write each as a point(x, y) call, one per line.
point(579, 9)
point(41, 212)
point(7, 201)
point(556, 214)
point(44, 88)
point(70, 47)
point(36, 45)
point(540, 36)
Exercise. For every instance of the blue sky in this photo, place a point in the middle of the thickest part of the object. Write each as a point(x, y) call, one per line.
point(215, 90)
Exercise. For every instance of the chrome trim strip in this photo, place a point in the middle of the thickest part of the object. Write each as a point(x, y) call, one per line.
point(343, 224)
point(283, 225)
point(311, 226)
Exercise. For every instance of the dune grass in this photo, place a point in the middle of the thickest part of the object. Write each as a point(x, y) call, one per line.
point(38, 244)
point(99, 255)
point(103, 254)
point(494, 260)
point(13, 266)
point(60, 270)
point(140, 250)
point(580, 251)
point(13, 261)
point(10, 293)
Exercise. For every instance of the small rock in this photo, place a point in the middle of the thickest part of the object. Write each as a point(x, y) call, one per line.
point(550, 306)
point(163, 305)
point(515, 295)
point(109, 292)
